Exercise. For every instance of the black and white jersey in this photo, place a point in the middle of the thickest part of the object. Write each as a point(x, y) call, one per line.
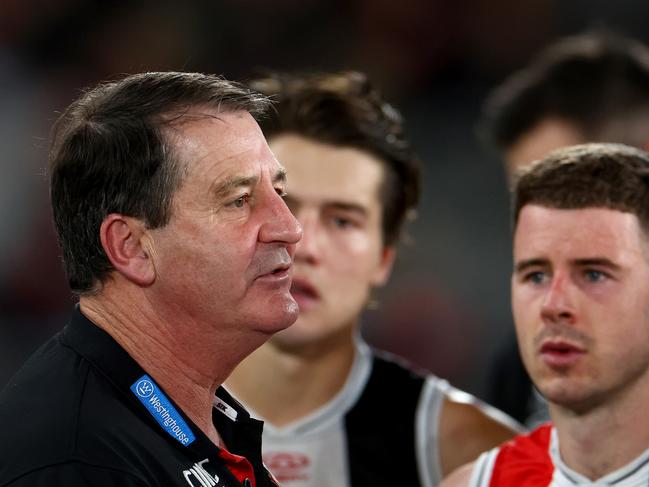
point(379, 430)
point(82, 412)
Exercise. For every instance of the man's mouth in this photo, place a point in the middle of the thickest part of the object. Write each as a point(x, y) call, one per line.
point(280, 269)
point(560, 353)
point(280, 273)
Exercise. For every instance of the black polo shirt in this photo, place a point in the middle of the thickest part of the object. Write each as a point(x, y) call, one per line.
point(82, 412)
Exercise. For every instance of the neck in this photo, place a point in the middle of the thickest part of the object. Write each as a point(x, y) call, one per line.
point(605, 438)
point(305, 377)
point(188, 359)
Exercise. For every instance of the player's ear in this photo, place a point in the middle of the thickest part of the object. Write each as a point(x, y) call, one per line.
point(126, 243)
point(384, 268)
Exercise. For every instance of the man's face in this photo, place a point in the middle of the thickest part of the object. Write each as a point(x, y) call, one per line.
point(549, 134)
point(334, 193)
point(225, 257)
point(580, 298)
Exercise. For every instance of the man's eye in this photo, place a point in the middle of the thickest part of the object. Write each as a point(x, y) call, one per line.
point(536, 277)
point(280, 191)
point(594, 276)
point(341, 222)
point(240, 201)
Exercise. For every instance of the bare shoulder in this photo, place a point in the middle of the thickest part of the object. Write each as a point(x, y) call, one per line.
point(468, 427)
point(460, 477)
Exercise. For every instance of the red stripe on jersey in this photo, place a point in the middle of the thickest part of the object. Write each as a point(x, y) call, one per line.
point(524, 461)
point(239, 466)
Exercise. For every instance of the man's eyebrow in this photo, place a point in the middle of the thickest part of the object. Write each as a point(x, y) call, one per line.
point(344, 206)
point(224, 188)
point(523, 265)
point(280, 176)
point(591, 261)
point(597, 261)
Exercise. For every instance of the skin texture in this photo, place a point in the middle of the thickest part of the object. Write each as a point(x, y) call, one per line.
point(466, 430)
point(334, 192)
point(190, 300)
point(460, 477)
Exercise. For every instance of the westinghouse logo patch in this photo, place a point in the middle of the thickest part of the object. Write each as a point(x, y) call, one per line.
point(162, 410)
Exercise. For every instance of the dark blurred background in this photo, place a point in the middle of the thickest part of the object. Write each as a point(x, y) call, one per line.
point(447, 306)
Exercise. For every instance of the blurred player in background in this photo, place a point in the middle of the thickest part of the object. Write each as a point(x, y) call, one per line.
point(338, 413)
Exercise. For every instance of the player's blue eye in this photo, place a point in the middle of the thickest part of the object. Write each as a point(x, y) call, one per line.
point(594, 276)
point(537, 277)
point(342, 222)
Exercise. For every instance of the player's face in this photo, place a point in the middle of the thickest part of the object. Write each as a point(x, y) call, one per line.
point(225, 257)
point(549, 134)
point(334, 192)
point(580, 298)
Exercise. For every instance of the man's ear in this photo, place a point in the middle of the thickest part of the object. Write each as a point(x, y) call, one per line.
point(124, 241)
point(382, 273)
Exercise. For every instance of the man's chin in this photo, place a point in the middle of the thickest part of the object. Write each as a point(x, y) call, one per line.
point(289, 315)
point(281, 317)
point(569, 395)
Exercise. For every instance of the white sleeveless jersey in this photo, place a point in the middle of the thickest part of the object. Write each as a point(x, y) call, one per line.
point(380, 430)
point(314, 451)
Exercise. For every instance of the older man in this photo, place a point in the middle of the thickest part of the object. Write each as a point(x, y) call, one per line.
point(175, 235)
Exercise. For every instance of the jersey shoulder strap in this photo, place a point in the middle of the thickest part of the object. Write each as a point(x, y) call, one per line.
point(380, 427)
point(524, 461)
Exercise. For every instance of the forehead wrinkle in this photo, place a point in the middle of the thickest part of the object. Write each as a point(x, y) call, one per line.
point(222, 188)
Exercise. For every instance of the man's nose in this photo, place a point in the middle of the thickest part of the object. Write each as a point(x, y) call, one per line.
point(280, 224)
point(557, 306)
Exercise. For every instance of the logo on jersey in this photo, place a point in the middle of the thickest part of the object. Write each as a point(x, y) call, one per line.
point(288, 466)
point(144, 388)
point(150, 395)
point(230, 412)
point(198, 476)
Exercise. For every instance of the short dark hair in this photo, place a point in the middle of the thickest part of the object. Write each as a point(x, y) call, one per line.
point(109, 154)
point(612, 176)
point(344, 109)
point(598, 81)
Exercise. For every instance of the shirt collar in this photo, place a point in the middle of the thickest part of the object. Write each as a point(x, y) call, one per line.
point(636, 472)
